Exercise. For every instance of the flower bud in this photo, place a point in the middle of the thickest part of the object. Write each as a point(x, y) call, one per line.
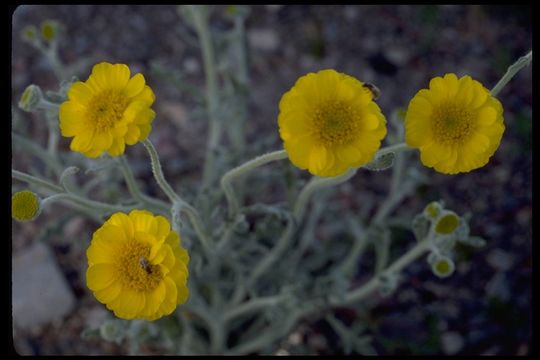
point(442, 266)
point(31, 98)
point(29, 33)
point(112, 330)
point(49, 30)
point(432, 210)
point(447, 223)
point(25, 206)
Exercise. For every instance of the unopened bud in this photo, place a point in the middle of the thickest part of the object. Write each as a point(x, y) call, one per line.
point(31, 98)
point(49, 30)
point(447, 223)
point(443, 267)
point(29, 33)
point(25, 205)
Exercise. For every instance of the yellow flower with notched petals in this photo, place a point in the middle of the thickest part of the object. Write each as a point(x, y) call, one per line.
point(137, 266)
point(456, 124)
point(329, 123)
point(107, 111)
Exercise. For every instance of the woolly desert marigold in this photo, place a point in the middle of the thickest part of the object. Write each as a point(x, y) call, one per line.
point(107, 111)
point(456, 124)
point(329, 123)
point(137, 266)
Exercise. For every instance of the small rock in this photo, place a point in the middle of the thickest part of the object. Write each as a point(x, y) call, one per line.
point(452, 342)
point(263, 39)
point(40, 291)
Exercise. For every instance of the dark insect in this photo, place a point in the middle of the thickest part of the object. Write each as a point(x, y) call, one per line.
point(145, 265)
point(374, 90)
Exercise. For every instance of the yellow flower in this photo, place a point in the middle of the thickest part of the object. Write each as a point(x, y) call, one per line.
point(107, 111)
point(137, 266)
point(329, 123)
point(24, 205)
point(456, 124)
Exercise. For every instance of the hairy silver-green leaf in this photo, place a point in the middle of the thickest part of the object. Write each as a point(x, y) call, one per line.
point(381, 162)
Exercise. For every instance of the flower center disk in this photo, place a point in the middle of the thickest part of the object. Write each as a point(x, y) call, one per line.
point(134, 269)
point(106, 109)
point(335, 123)
point(452, 124)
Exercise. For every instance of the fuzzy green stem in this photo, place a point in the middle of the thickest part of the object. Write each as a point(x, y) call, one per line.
point(226, 180)
point(200, 18)
point(315, 185)
point(252, 306)
point(32, 180)
point(365, 290)
point(134, 189)
point(158, 172)
point(512, 70)
point(274, 254)
point(393, 148)
point(38, 151)
point(318, 183)
point(396, 192)
point(61, 195)
point(193, 216)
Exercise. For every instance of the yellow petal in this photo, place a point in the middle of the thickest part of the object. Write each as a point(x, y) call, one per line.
point(109, 293)
point(100, 276)
point(128, 304)
point(144, 131)
point(102, 141)
point(82, 141)
point(72, 119)
point(135, 85)
point(318, 159)
point(370, 122)
point(448, 166)
point(132, 135)
point(433, 153)
point(99, 79)
point(348, 154)
point(172, 239)
point(480, 95)
point(486, 116)
point(117, 148)
point(80, 93)
point(154, 300)
point(119, 75)
point(146, 96)
point(143, 221)
point(299, 150)
point(163, 227)
point(124, 222)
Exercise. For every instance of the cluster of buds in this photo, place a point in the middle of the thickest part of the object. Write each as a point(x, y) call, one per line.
point(443, 228)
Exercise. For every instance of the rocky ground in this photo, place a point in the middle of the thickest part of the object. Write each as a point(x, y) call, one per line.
point(484, 308)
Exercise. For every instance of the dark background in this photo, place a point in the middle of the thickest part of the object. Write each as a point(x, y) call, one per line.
point(484, 308)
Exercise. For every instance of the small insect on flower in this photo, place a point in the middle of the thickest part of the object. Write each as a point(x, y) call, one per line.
point(107, 111)
point(456, 124)
point(329, 123)
point(145, 265)
point(374, 90)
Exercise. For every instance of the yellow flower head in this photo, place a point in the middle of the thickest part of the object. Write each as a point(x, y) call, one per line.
point(107, 111)
point(137, 266)
point(456, 124)
point(24, 205)
point(329, 123)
